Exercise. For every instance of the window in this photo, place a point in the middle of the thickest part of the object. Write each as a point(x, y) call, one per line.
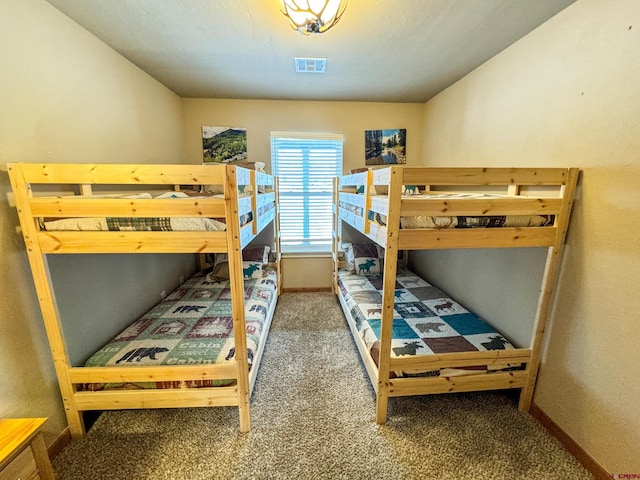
point(305, 164)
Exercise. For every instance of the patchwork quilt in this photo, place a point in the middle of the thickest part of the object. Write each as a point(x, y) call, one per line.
point(192, 326)
point(426, 320)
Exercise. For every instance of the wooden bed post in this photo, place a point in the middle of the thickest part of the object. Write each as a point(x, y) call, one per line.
point(549, 281)
point(335, 247)
point(254, 200)
point(388, 293)
point(277, 243)
point(44, 290)
point(237, 297)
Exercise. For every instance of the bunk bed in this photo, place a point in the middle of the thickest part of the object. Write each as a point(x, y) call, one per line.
point(137, 209)
point(411, 336)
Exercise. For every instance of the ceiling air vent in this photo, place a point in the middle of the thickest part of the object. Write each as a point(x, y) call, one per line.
point(310, 65)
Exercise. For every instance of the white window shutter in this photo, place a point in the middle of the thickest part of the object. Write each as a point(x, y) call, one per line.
point(305, 165)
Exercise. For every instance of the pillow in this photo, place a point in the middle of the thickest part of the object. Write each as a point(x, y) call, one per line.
point(348, 255)
point(406, 189)
point(244, 164)
point(212, 189)
point(220, 258)
point(256, 254)
point(221, 270)
point(368, 258)
point(252, 270)
point(410, 190)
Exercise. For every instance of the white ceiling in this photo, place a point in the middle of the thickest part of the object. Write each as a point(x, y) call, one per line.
point(381, 50)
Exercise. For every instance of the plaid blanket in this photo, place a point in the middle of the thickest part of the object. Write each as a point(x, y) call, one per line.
point(139, 224)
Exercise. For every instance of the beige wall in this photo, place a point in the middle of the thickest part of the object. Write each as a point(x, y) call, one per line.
point(260, 117)
point(64, 97)
point(568, 95)
point(306, 273)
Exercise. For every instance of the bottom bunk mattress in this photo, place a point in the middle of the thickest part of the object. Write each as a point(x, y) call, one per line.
point(426, 321)
point(192, 326)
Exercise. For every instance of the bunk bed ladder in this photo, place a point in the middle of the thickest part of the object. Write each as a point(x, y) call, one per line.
point(277, 236)
point(335, 237)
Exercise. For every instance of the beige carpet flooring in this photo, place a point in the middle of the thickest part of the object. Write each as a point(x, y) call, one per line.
point(313, 418)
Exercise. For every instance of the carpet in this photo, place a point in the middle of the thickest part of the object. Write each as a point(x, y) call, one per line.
point(313, 412)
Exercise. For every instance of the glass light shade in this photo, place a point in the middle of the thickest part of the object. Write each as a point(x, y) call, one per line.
point(313, 16)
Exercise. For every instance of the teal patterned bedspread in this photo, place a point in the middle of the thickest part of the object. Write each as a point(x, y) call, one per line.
point(426, 320)
point(191, 326)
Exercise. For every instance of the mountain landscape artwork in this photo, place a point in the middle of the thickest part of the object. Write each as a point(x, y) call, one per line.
point(223, 144)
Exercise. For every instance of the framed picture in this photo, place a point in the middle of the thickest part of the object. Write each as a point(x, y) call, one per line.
point(224, 144)
point(385, 147)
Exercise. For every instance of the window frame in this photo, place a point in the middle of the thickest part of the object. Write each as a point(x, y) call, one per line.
point(303, 186)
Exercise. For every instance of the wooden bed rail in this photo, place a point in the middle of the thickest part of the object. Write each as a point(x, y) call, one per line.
point(460, 176)
point(490, 358)
point(520, 191)
point(79, 375)
point(264, 193)
point(120, 207)
point(469, 176)
point(176, 398)
point(125, 174)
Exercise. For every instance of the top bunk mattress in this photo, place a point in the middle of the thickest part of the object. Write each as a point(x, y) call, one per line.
point(140, 224)
point(469, 221)
point(426, 320)
point(454, 221)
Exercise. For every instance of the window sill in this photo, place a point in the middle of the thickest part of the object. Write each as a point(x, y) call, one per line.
point(306, 255)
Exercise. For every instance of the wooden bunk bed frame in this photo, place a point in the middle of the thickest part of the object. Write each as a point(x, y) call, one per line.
point(85, 179)
point(527, 191)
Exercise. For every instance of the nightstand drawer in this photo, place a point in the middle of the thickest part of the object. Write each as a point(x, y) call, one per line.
point(23, 467)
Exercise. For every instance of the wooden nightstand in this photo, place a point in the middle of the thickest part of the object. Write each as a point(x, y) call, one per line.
point(23, 453)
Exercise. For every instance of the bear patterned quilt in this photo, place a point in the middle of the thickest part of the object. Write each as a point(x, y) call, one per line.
point(426, 320)
point(192, 326)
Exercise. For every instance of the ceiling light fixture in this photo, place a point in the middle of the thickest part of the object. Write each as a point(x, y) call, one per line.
point(313, 16)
